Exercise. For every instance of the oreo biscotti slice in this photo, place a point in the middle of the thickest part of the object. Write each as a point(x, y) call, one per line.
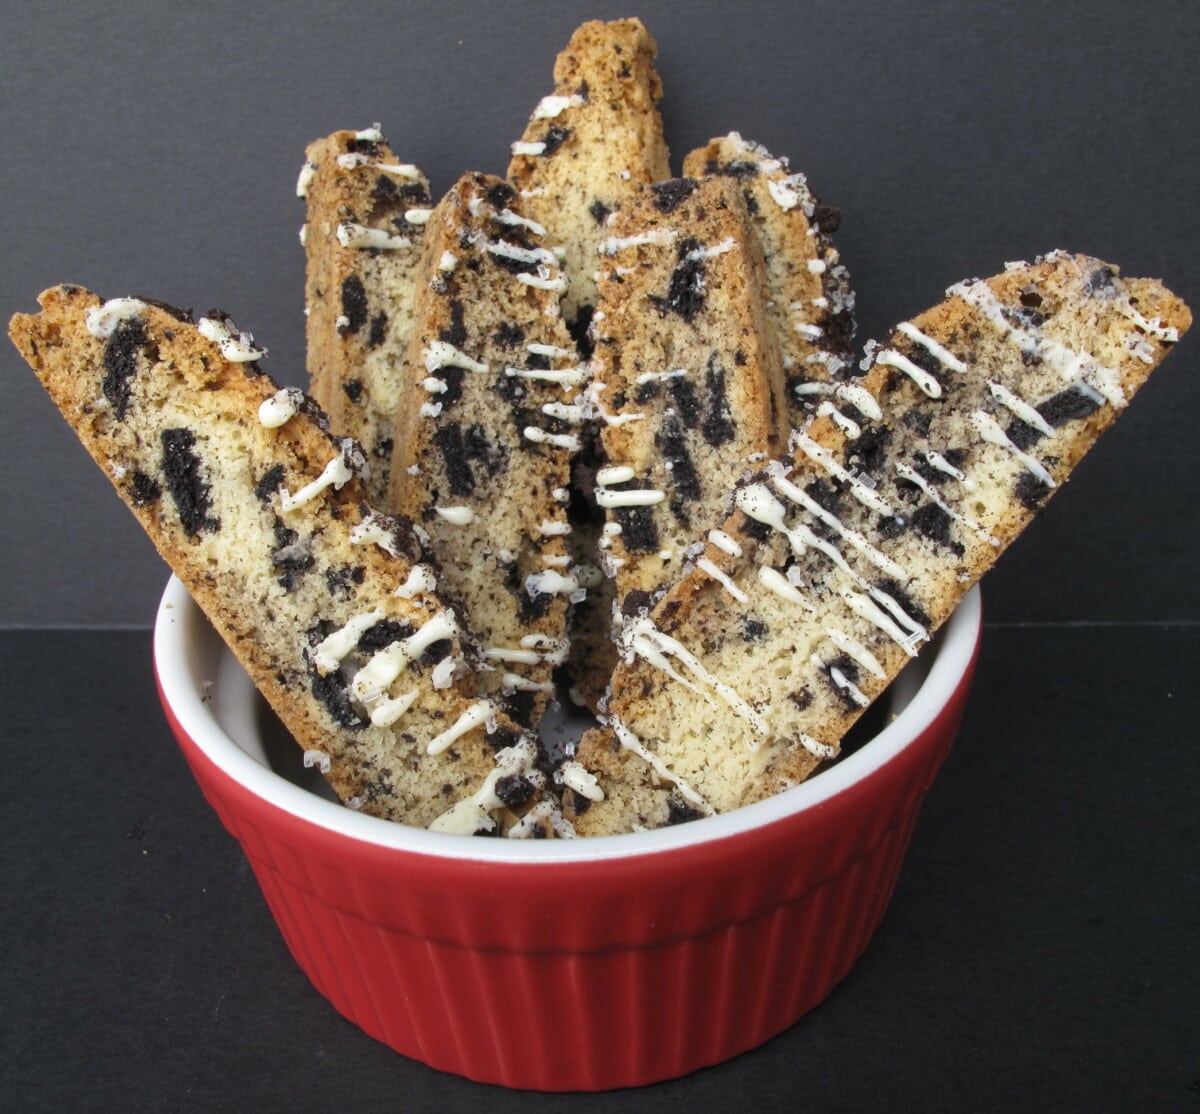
point(487, 430)
point(810, 306)
point(333, 609)
point(841, 559)
point(590, 146)
point(688, 379)
point(365, 216)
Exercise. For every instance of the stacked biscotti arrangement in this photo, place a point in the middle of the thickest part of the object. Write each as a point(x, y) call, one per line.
point(590, 432)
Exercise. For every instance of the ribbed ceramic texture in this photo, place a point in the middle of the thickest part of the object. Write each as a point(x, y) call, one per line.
point(594, 975)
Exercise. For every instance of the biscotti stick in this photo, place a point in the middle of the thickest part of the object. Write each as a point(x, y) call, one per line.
point(687, 374)
point(810, 304)
point(366, 214)
point(842, 558)
point(333, 609)
point(490, 421)
point(590, 146)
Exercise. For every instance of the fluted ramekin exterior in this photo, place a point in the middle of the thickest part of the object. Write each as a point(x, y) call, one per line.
point(587, 975)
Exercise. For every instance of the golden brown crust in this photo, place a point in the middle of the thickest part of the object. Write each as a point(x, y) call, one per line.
point(884, 534)
point(176, 427)
point(600, 137)
point(361, 250)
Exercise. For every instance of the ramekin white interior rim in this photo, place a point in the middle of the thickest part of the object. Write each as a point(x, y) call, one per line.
point(183, 640)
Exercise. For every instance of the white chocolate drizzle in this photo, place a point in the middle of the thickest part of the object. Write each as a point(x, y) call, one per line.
point(329, 652)
point(1073, 365)
point(549, 582)
point(456, 516)
point(475, 716)
point(418, 216)
point(371, 681)
point(319, 759)
point(576, 777)
point(564, 411)
point(889, 357)
point(336, 473)
point(441, 353)
point(711, 568)
point(657, 236)
point(632, 743)
point(568, 441)
point(448, 262)
point(723, 542)
point(506, 653)
point(816, 748)
point(553, 650)
point(236, 346)
point(641, 638)
point(305, 178)
point(785, 192)
point(544, 280)
point(514, 682)
point(103, 320)
point(544, 812)
point(820, 455)
point(1151, 327)
point(1022, 409)
point(595, 407)
point(353, 160)
point(941, 464)
point(353, 235)
point(908, 637)
point(842, 682)
point(989, 429)
point(860, 398)
point(507, 216)
point(658, 376)
point(846, 424)
point(524, 147)
point(943, 355)
point(506, 250)
point(377, 529)
point(389, 709)
point(696, 254)
point(643, 497)
point(857, 652)
point(549, 107)
point(774, 581)
point(420, 581)
point(280, 408)
point(907, 472)
point(880, 560)
point(473, 814)
point(614, 474)
point(567, 376)
point(551, 350)
point(442, 676)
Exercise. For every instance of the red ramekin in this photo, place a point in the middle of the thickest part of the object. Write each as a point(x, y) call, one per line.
point(570, 964)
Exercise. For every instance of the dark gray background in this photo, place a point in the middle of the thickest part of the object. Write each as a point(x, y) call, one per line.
point(1043, 948)
point(152, 148)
